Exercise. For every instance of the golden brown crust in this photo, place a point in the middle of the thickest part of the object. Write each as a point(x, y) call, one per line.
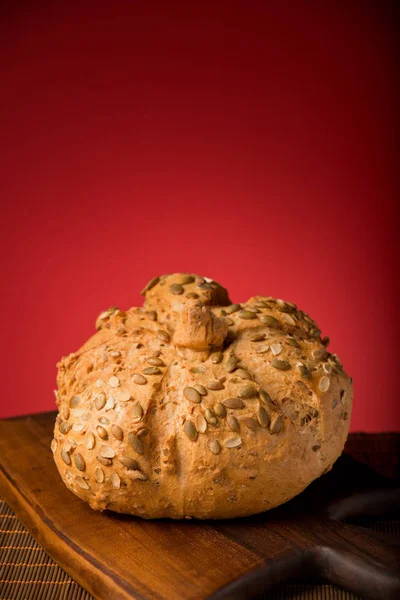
point(193, 407)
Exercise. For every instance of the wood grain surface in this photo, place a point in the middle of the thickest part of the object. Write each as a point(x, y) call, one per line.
point(120, 557)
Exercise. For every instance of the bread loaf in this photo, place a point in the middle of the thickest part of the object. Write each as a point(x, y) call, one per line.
point(193, 407)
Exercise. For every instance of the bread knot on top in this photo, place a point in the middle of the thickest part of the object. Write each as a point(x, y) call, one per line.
point(170, 292)
point(199, 328)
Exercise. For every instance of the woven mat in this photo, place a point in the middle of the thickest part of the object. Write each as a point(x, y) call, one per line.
point(28, 573)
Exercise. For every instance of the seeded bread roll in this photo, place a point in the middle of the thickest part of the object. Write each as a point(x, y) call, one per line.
point(193, 407)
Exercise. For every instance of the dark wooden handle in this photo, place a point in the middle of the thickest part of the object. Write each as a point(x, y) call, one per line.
point(365, 504)
point(362, 575)
point(266, 575)
point(343, 555)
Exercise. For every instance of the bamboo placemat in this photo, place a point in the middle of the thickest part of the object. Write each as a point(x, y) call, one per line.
point(28, 573)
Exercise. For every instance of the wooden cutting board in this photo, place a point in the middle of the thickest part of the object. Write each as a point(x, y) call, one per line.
point(120, 557)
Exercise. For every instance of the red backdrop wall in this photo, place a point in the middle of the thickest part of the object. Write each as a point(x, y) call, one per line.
point(249, 142)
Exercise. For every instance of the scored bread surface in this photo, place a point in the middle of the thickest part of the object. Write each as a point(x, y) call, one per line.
point(193, 407)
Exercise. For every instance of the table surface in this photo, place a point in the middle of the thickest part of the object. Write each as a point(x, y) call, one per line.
point(28, 573)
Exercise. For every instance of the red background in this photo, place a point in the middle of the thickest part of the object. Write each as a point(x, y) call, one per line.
point(252, 142)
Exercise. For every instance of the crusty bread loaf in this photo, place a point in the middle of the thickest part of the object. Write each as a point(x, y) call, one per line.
point(195, 407)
